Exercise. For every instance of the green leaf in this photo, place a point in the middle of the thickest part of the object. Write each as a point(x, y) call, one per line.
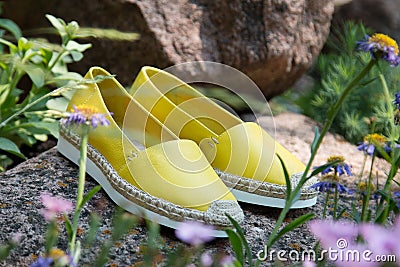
point(322, 168)
point(68, 227)
point(12, 27)
point(314, 142)
point(287, 178)
point(41, 127)
point(236, 244)
point(26, 138)
point(75, 46)
point(240, 233)
point(3, 94)
point(294, 224)
point(76, 56)
point(11, 147)
point(51, 236)
point(89, 195)
point(69, 76)
point(12, 46)
point(94, 225)
point(6, 249)
point(46, 55)
point(57, 23)
point(37, 76)
point(342, 211)
point(59, 104)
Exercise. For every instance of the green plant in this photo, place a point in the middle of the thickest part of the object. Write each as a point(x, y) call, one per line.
point(332, 72)
point(44, 66)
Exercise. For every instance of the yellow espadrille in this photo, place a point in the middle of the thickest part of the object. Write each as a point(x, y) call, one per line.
point(143, 166)
point(244, 154)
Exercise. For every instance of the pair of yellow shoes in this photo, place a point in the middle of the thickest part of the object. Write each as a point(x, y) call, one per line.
point(171, 154)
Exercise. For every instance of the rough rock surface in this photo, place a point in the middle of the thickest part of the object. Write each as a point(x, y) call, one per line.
point(21, 187)
point(272, 41)
point(381, 15)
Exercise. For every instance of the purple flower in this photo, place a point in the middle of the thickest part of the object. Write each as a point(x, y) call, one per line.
point(396, 100)
point(397, 198)
point(328, 232)
point(54, 206)
point(339, 167)
point(329, 186)
point(380, 240)
point(308, 263)
point(206, 260)
point(381, 46)
point(370, 143)
point(194, 233)
point(86, 115)
point(226, 260)
point(42, 262)
point(367, 148)
point(343, 236)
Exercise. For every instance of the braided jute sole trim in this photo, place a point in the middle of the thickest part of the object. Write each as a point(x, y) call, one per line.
point(215, 215)
point(269, 190)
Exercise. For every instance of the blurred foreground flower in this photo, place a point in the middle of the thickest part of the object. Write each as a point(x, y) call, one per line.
point(206, 260)
point(194, 233)
point(381, 46)
point(54, 206)
point(86, 115)
point(227, 261)
point(344, 235)
point(42, 262)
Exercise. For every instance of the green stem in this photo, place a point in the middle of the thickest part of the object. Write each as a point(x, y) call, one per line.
point(81, 182)
point(362, 169)
point(57, 58)
point(331, 116)
point(19, 112)
point(393, 170)
point(325, 205)
point(368, 192)
point(13, 83)
point(389, 107)
point(335, 202)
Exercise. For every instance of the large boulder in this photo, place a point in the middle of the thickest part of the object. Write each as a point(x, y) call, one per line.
point(272, 41)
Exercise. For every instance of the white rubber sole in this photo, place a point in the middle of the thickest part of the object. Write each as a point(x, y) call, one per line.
point(72, 153)
point(242, 196)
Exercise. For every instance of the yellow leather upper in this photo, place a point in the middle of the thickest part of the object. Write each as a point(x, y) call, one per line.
point(171, 169)
point(240, 148)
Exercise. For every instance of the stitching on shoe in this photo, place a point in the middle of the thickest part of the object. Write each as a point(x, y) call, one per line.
point(265, 188)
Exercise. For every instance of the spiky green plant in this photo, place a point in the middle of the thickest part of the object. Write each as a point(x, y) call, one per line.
point(365, 109)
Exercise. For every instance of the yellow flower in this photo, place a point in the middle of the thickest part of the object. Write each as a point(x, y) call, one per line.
point(384, 41)
point(336, 158)
point(375, 139)
point(381, 46)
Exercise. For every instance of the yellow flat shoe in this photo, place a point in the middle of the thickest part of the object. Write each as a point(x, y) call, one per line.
point(243, 154)
point(143, 166)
